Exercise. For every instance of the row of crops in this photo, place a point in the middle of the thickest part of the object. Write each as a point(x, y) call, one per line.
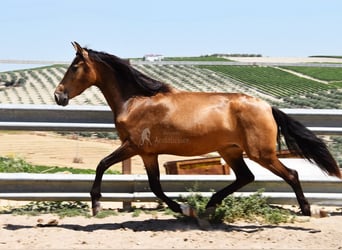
point(191, 78)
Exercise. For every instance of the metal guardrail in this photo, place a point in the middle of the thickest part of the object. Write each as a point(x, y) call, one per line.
point(100, 118)
point(132, 188)
point(56, 118)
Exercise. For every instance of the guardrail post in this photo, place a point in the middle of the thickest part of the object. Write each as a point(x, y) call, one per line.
point(126, 166)
point(127, 169)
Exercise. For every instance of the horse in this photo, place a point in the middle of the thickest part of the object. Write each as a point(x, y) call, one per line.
point(152, 118)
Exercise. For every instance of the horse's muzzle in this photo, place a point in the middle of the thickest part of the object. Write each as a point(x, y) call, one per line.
point(61, 98)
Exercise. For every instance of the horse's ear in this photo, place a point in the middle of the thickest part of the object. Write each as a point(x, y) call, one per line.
point(77, 47)
point(79, 50)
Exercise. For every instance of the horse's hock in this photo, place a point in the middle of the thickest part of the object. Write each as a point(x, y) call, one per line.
point(212, 165)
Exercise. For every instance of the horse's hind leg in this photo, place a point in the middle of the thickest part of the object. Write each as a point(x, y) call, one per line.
point(233, 157)
point(290, 176)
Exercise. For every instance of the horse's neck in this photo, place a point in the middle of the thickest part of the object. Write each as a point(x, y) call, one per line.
point(112, 94)
point(115, 96)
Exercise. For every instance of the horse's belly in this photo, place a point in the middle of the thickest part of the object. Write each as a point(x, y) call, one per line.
point(190, 145)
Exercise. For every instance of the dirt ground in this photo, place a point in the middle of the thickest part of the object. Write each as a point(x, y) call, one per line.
point(147, 231)
point(159, 231)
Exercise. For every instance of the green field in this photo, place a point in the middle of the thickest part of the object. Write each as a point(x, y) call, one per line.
point(270, 80)
point(329, 74)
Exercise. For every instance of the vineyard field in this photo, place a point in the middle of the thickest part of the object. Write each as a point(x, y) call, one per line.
point(270, 80)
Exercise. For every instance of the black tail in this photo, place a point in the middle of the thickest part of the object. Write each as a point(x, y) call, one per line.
point(301, 141)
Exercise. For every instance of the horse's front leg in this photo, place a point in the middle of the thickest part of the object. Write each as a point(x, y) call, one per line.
point(152, 169)
point(124, 152)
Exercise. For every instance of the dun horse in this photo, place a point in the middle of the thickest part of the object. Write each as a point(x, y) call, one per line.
point(154, 118)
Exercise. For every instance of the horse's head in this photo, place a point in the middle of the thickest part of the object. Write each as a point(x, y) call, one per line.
point(79, 76)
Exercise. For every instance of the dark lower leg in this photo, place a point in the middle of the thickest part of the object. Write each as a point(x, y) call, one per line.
point(157, 190)
point(152, 169)
point(291, 178)
point(243, 177)
point(95, 192)
point(293, 181)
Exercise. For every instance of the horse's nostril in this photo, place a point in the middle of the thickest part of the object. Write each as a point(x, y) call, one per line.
point(61, 99)
point(56, 97)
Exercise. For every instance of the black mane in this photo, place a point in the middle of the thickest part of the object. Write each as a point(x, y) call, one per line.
point(128, 75)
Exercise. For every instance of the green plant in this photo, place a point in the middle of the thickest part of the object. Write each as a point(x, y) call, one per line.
point(136, 212)
point(105, 213)
point(251, 208)
point(61, 208)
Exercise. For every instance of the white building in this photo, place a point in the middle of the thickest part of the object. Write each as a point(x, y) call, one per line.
point(153, 57)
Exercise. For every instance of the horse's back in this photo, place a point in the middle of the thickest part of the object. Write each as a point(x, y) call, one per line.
point(233, 119)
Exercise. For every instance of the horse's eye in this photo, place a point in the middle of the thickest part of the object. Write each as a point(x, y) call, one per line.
point(74, 67)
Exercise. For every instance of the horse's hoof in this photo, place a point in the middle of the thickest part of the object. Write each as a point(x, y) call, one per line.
point(188, 211)
point(306, 212)
point(96, 209)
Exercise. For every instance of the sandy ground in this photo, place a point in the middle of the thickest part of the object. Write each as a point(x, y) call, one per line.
point(160, 231)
